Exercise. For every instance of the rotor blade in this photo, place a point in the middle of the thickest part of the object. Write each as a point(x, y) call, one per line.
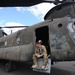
point(4, 3)
point(14, 27)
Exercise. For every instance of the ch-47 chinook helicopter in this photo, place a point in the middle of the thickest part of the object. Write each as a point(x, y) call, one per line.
point(57, 33)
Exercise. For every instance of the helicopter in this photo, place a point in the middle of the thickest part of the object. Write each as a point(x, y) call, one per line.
point(57, 33)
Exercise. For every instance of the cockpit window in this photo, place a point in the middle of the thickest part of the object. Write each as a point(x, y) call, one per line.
point(18, 40)
point(71, 28)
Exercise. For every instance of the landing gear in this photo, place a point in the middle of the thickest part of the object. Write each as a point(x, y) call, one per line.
point(10, 66)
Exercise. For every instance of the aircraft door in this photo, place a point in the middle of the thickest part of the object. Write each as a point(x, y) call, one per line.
point(42, 33)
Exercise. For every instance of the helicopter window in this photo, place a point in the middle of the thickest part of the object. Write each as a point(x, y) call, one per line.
point(18, 40)
point(60, 25)
point(71, 28)
point(5, 43)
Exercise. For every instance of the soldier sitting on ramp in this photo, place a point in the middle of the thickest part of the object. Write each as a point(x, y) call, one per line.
point(40, 52)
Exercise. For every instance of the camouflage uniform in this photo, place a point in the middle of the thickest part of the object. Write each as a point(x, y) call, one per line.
point(43, 52)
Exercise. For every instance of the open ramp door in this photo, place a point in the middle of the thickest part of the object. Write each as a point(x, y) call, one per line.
point(48, 66)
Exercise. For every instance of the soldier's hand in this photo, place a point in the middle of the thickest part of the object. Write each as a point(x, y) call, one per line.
point(38, 56)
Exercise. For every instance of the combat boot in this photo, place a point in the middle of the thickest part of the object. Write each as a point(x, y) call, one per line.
point(43, 67)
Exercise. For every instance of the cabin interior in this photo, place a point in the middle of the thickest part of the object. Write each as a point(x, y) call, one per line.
point(42, 33)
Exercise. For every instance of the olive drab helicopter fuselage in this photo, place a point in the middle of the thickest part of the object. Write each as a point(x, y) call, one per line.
point(57, 33)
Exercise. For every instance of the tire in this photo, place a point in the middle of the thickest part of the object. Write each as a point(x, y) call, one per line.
point(8, 67)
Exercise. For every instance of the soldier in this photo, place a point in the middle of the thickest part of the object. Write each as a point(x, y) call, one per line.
point(40, 51)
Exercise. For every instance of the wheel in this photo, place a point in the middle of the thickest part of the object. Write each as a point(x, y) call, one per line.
point(8, 67)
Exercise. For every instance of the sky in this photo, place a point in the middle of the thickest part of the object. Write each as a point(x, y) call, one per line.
point(23, 16)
